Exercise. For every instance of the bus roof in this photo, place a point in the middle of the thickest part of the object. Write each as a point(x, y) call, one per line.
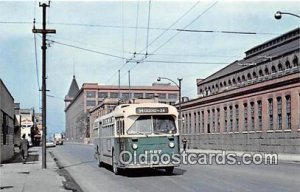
point(140, 109)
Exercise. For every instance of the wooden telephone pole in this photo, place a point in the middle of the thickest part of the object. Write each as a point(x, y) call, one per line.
point(44, 32)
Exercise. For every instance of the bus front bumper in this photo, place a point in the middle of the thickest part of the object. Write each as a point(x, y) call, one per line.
point(135, 166)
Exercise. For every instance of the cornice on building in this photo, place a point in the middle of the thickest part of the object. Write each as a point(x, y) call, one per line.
point(270, 50)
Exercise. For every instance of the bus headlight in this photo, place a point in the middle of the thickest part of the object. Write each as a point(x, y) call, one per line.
point(171, 144)
point(134, 146)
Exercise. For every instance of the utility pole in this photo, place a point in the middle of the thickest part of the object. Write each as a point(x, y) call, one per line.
point(44, 32)
point(129, 86)
point(119, 88)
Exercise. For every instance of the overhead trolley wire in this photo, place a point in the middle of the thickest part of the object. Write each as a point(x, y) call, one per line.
point(85, 49)
point(161, 34)
point(172, 37)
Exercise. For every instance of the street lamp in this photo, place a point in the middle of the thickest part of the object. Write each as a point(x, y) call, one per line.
point(279, 14)
point(179, 86)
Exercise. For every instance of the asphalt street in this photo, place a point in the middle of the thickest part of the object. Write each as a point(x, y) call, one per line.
point(78, 160)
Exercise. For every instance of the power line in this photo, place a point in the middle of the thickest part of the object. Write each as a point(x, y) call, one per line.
point(161, 34)
point(230, 32)
point(185, 26)
point(146, 28)
point(188, 55)
point(85, 49)
point(172, 37)
point(185, 62)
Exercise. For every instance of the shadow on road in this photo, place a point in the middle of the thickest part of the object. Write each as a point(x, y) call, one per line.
point(145, 172)
point(76, 164)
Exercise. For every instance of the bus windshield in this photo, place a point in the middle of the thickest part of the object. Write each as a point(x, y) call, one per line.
point(153, 124)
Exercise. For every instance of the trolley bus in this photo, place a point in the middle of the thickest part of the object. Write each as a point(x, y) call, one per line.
point(138, 136)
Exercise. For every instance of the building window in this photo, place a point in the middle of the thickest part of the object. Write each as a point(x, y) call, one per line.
point(288, 112)
point(125, 95)
point(172, 96)
point(149, 95)
point(231, 119)
point(259, 111)
point(162, 96)
point(102, 94)
point(287, 65)
point(225, 119)
point(190, 123)
point(4, 128)
point(261, 73)
point(280, 68)
point(195, 122)
point(138, 95)
point(208, 121)
point(91, 94)
point(295, 62)
point(202, 113)
point(245, 117)
point(199, 122)
point(267, 71)
point(218, 120)
point(270, 103)
point(90, 103)
point(252, 116)
point(237, 118)
point(279, 113)
point(213, 121)
point(273, 69)
point(114, 95)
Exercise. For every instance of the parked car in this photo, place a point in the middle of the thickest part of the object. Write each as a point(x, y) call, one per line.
point(50, 143)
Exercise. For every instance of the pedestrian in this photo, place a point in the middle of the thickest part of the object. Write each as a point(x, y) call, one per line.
point(184, 142)
point(24, 148)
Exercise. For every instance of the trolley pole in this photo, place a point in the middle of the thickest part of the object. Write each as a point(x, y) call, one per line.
point(44, 32)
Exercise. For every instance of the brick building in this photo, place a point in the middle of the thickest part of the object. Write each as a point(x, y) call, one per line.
point(252, 104)
point(80, 102)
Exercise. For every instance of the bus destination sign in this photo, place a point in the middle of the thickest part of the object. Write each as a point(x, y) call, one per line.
point(143, 110)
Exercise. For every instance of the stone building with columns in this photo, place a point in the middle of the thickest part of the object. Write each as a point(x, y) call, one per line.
point(252, 104)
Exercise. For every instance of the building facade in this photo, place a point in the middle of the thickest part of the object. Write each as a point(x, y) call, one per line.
point(252, 104)
point(7, 118)
point(92, 94)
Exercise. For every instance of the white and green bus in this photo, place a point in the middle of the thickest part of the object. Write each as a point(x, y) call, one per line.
point(138, 136)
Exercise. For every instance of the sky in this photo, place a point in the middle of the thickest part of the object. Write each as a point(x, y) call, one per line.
point(94, 40)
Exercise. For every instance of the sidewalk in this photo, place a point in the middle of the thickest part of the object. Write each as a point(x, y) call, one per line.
point(30, 177)
point(281, 156)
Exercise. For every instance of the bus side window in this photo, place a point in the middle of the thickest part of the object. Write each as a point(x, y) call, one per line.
point(118, 127)
point(122, 126)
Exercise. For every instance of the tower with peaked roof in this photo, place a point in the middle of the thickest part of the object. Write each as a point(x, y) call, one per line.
point(73, 90)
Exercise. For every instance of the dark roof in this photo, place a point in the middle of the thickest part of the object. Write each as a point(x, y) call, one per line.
point(278, 48)
point(73, 88)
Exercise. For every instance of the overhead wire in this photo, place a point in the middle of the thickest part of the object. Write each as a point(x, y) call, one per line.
point(35, 55)
point(161, 34)
point(172, 37)
point(85, 49)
